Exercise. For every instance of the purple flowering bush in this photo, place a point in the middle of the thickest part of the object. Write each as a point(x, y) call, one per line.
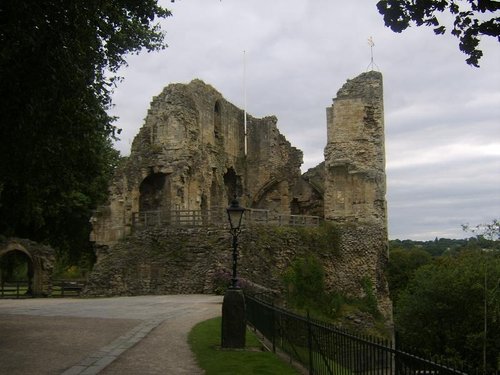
point(222, 280)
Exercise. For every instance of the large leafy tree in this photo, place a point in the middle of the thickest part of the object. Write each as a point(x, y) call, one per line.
point(58, 60)
point(447, 305)
point(402, 266)
point(471, 20)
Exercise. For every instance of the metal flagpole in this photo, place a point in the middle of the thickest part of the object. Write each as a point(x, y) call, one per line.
point(245, 100)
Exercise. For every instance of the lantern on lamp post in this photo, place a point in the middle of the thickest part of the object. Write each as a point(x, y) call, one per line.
point(233, 306)
point(235, 215)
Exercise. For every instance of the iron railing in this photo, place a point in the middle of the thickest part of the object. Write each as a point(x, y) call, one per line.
point(325, 349)
point(217, 217)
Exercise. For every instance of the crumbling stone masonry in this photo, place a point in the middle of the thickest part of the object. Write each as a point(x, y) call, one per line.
point(190, 155)
point(354, 154)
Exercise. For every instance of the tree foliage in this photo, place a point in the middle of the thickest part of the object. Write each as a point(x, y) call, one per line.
point(440, 289)
point(471, 20)
point(490, 231)
point(305, 280)
point(442, 311)
point(446, 246)
point(402, 266)
point(57, 64)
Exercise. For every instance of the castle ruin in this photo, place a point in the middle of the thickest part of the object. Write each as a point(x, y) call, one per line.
point(192, 155)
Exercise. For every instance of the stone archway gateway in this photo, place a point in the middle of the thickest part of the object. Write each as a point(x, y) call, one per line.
point(41, 259)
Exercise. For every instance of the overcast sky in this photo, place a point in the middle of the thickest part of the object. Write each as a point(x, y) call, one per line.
point(442, 117)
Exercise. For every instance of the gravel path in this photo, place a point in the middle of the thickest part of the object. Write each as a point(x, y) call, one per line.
point(164, 351)
point(122, 335)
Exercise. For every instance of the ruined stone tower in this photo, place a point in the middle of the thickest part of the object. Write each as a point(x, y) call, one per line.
point(355, 154)
point(355, 184)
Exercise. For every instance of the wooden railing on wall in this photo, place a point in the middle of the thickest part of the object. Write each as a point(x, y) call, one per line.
point(217, 217)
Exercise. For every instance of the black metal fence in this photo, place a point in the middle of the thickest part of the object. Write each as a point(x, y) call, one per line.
point(325, 349)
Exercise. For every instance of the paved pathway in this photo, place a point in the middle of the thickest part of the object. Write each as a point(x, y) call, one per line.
point(121, 335)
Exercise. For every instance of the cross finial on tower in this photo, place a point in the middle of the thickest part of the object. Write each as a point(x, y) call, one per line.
point(372, 63)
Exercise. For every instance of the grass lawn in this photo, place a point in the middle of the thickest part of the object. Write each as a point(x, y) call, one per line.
point(204, 340)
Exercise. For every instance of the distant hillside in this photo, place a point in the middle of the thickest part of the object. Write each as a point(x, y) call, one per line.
point(441, 246)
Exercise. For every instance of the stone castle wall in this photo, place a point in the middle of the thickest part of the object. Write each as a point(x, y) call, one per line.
point(187, 260)
point(190, 155)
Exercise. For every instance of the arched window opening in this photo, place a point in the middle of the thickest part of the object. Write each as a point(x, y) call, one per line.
point(232, 183)
point(215, 195)
point(217, 120)
point(295, 208)
point(152, 192)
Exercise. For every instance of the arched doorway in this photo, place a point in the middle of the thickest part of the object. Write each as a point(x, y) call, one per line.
point(16, 266)
point(36, 261)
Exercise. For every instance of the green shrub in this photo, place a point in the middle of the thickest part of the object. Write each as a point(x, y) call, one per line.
point(14, 266)
point(323, 239)
point(368, 303)
point(305, 282)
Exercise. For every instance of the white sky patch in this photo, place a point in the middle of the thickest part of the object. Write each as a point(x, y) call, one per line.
point(443, 154)
point(485, 100)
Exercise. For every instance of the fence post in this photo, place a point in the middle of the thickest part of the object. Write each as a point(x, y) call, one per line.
point(17, 289)
point(309, 344)
point(273, 326)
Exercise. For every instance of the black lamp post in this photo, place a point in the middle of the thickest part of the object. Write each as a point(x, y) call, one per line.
point(235, 215)
point(233, 305)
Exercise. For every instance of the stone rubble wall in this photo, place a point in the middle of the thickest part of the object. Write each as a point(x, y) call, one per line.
point(187, 260)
